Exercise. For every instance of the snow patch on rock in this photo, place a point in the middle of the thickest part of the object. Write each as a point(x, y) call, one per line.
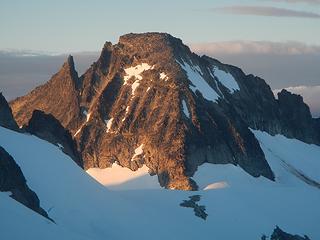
point(125, 114)
point(85, 112)
point(136, 71)
point(185, 108)
point(137, 152)
point(134, 86)
point(163, 76)
point(226, 79)
point(77, 132)
point(60, 146)
point(198, 82)
point(108, 123)
point(88, 115)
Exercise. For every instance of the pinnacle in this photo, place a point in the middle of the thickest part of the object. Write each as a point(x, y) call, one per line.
point(70, 61)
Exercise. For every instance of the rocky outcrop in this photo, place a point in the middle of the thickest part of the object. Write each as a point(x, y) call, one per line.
point(6, 117)
point(296, 118)
point(12, 180)
point(279, 234)
point(46, 127)
point(192, 202)
point(150, 92)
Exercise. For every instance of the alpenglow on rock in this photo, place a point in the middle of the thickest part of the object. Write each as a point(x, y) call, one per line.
point(150, 92)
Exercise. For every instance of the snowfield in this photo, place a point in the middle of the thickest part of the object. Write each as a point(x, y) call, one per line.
point(122, 178)
point(19, 222)
point(238, 205)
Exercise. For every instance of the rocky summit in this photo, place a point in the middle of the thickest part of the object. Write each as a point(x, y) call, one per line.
point(148, 100)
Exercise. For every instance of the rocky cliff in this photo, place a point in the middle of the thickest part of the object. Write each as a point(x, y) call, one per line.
point(6, 117)
point(149, 100)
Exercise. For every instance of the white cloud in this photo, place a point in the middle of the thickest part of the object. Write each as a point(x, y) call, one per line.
point(255, 47)
point(265, 11)
point(313, 2)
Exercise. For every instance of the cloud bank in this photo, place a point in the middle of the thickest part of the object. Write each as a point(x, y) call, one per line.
point(312, 2)
point(266, 11)
point(255, 47)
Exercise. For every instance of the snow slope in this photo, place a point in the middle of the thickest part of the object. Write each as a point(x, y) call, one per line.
point(121, 178)
point(292, 154)
point(14, 220)
point(71, 197)
point(238, 205)
point(243, 207)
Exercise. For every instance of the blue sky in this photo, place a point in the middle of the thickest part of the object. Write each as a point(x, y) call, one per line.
point(66, 26)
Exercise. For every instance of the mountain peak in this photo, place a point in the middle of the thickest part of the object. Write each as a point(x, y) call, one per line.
point(70, 61)
point(152, 43)
point(149, 36)
point(149, 101)
point(69, 66)
point(60, 90)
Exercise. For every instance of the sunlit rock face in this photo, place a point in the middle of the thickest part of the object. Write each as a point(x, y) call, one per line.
point(148, 100)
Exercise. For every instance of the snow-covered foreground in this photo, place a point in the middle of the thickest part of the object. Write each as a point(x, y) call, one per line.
point(19, 222)
point(238, 205)
point(71, 197)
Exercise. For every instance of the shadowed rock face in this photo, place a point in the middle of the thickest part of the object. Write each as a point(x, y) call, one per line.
point(12, 180)
point(138, 95)
point(6, 117)
point(296, 118)
point(46, 127)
